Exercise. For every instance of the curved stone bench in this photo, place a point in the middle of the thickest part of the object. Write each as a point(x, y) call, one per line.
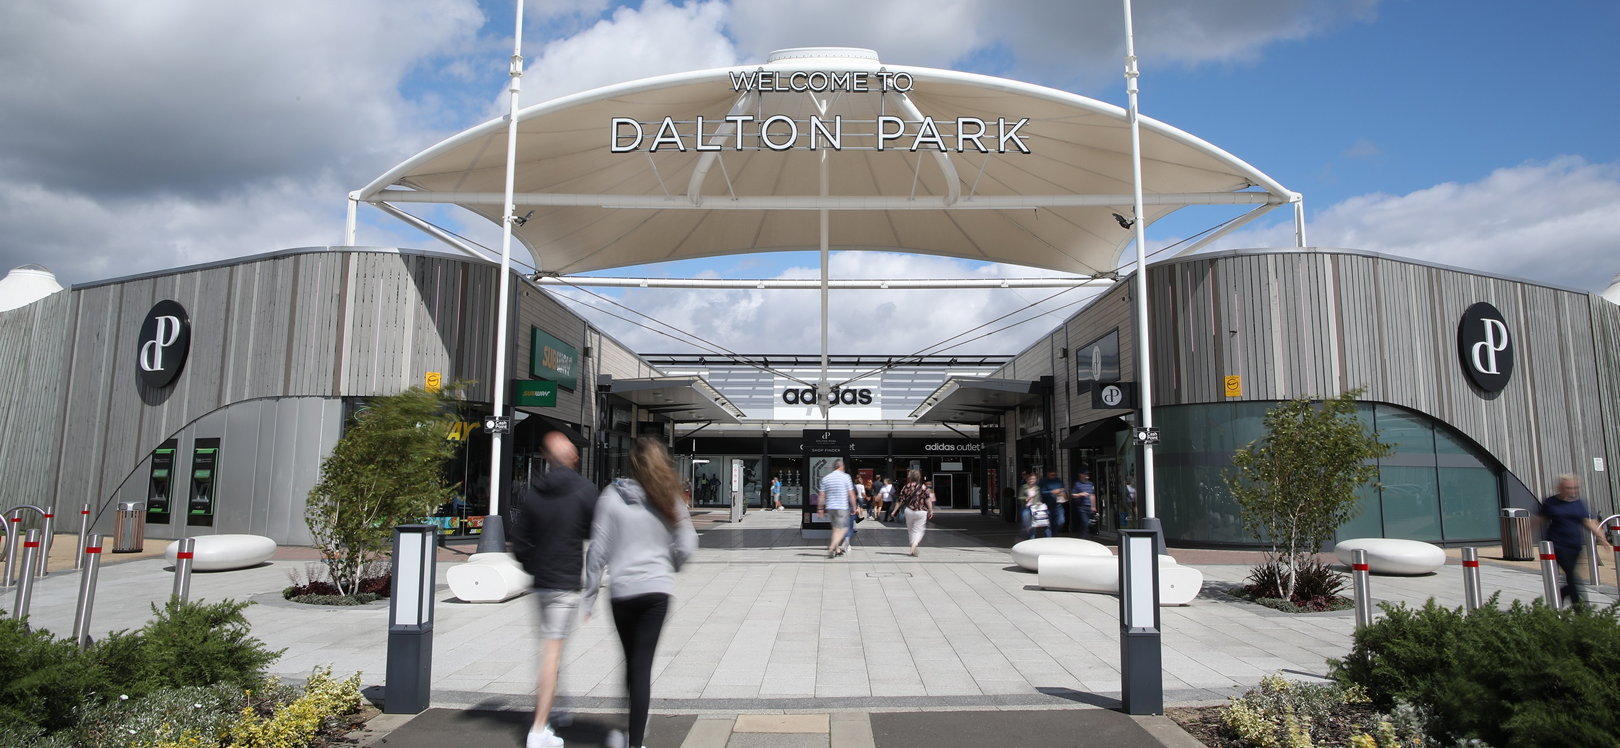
point(1025, 554)
point(1393, 556)
point(225, 552)
point(1178, 584)
point(488, 578)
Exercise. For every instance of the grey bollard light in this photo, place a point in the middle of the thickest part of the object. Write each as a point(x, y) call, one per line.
point(47, 535)
point(1472, 592)
point(182, 568)
point(25, 583)
point(408, 683)
point(1360, 573)
point(91, 552)
point(84, 537)
point(1549, 575)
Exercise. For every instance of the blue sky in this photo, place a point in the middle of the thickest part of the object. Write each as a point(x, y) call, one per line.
point(152, 135)
point(1400, 98)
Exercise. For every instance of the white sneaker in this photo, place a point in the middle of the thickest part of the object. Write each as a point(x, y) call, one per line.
point(615, 739)
point(544, 738)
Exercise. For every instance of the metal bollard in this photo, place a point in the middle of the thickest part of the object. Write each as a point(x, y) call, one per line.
point(1591, 561)
point(182, 568)
point(84, 535)
point(1549, 575)
point(1472, 593)
point(47, 536)
point(25, 583)
point(91, 550)
point(1361, 573)
point(13, 535)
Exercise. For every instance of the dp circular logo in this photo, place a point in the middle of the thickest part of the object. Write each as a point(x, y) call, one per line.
point(165, 340)
point(1486, 347)
point(1112, 395)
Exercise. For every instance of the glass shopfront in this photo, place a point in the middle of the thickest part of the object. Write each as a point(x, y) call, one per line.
point(1436, 485)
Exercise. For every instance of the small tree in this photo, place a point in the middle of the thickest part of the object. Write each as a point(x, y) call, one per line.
point(388, 469)
point(1297, 484)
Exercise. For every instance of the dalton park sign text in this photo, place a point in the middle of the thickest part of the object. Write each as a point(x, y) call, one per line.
point(780, 132)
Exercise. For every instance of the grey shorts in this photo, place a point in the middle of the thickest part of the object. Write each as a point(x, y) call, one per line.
point(838, 517)
point(559, 612)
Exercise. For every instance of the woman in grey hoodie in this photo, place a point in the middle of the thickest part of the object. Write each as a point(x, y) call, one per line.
point(641, 532)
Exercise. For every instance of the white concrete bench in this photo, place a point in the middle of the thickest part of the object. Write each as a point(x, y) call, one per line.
point(1178, 584)
point(1025, 554)
point(225, 552)
point(1393, 556)
point(488, 578)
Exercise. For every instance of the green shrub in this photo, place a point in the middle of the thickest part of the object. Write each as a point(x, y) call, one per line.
point(1526, 677)
point(48, 685)
point(188, 644)
point(42, 679)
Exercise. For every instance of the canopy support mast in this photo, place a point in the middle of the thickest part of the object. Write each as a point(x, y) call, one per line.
point(824, 387)
point(493, 539)
point(1144, 368)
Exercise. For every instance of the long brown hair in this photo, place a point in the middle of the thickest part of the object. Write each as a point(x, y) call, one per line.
point(651, 466)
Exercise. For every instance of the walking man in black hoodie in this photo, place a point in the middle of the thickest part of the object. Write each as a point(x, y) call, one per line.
point(549, 538)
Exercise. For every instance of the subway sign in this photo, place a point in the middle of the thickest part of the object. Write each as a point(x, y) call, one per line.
point(535, 393)
point(553, 360)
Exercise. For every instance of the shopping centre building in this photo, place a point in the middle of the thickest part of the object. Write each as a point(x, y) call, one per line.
point(209, 395)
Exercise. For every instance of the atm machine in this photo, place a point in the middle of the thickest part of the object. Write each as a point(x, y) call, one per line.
point(160, 485)
point(204, 472)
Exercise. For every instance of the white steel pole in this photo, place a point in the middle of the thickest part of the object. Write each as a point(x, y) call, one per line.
point(1299, 220)
point(348, 225)
point(824, 387)
point(488, 542)
point(1144, 371)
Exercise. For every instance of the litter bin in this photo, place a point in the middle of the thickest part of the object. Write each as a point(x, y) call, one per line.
point(129, 528)
point(1517, 543)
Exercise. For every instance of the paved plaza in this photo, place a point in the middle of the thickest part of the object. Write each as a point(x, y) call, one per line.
point(764, 622)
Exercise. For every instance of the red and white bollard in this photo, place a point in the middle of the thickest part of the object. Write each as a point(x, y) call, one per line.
point(25, 583)
point(1549, 575)
point(1472, 593)
point(90, 550)
point(182, 568)
point(47, 535)
point(84, 537)
point(1361, 573)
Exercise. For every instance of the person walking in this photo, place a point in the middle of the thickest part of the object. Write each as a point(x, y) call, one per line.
point(1085, 501)
point(886, 499)
point(918, 502)
point(1055, 498)
point(1031, 495)
point(776, 493)
point(548, 538)
point(835, 499)
point(642, 532)
point(1568, 522)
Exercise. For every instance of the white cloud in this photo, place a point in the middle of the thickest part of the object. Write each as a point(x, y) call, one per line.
point(656, 39)
point(1555, 222)
point(1060, 43)
point(140, 135)
point(877, 322)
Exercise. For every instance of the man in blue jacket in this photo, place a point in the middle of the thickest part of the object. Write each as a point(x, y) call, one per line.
point(1568, 522)
point(548, 537)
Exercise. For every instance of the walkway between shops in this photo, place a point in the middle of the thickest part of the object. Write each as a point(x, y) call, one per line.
point(764, 622)
point(857, 729)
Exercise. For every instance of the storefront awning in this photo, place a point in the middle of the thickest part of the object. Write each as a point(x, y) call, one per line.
point(1085, 432)
point(679, 399)
point(553, 424)
point(970, 400)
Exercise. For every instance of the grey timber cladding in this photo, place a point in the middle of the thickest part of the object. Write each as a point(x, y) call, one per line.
point(32, 364)
point(317, 323)
point(1310, 324)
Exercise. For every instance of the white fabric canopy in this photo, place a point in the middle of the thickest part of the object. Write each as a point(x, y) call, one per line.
point(1051, 208)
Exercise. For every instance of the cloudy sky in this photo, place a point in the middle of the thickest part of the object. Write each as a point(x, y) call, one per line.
point(141, 136)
